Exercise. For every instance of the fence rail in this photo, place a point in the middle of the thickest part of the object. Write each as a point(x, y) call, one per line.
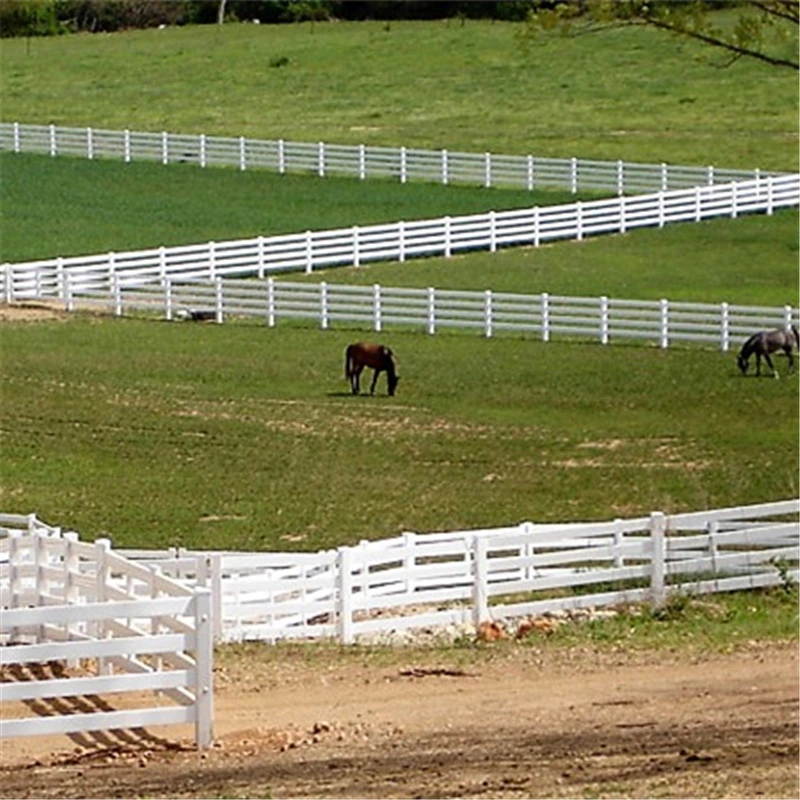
point(602, 319)
point(364, 162)
point(122, 627)
point(312, 250)
point(423, 580)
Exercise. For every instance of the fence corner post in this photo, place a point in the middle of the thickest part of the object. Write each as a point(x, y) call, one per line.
point(204, 658)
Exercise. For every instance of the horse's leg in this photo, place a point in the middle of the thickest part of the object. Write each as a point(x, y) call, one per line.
point(771, 365)
point(374, 381)
point(355, 376)
point(788, 351)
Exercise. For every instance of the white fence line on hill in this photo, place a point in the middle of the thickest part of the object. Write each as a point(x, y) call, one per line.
point(399, 241)
point(364, 162)
point(113, 626)
point(431, 580)
point(601, 319)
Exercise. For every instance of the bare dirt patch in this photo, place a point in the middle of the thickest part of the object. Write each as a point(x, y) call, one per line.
point(513, 722)
point(30, 312)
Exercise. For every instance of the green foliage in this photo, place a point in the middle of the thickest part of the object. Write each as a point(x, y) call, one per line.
point(29, 18)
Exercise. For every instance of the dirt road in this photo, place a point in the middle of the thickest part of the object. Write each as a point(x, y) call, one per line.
point(517, 722)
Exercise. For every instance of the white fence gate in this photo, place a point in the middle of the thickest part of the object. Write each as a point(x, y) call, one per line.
point(121, 627)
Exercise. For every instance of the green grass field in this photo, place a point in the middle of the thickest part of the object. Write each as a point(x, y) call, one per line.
point(73, 206)
point(638, 95)
point(245, 437)
point(240, 436)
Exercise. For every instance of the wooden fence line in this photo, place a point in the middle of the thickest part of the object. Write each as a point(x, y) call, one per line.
point(601, 319)
point(128, 627)
point(422, 580)
point(365, 161)
point(56, 278)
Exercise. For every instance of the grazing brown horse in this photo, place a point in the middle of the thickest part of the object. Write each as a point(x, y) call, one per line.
point(365, 354)
point(763, 343)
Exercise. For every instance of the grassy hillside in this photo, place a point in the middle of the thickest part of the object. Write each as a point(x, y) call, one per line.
point(638, 95)
point(243, 436)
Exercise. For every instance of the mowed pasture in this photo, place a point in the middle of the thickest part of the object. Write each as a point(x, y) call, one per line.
point(240, 436)
point(633, 94)
point(245, 437)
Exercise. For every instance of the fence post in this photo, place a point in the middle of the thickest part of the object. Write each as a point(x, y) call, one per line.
point(321, 160)
point(431, 310)
point(620, 178)
point(281, 157)
point(734, 200)
point(8, 284)
point(53, 148)
point(487, 312)
point(725, 341)
point(362, 162)
point(535, 226)
point(167, 283)
point(447, 238)
point(664, 313)
point(344, 611)
point(260, 255)
point(409, 560)
point(126, 146)
point(623, 222)
point(401, 235)
point(115, 287)
point(487, 171)
point(220, 300)
point(204, 657)
point(770, 195)
point(480, 582)
point(661, 220)
point(573, 175)
point(323, 305)
point(16, 138)
point(202, 150)
point(309, 253)
point(212, 260)
point(787, 316)
point(356, 253)
point(579, 221)
point(530, 174)
point(445, 168)
point(492, 231)
point(89, 144)
point(657, 557)
point(545, 317)
point(376, 307)
point(403, 165)
point(68, 305)
point(619, 542)
point(242, 153)
point(14, 573)
point(164, 148)
point(102, 574)
point(271, 302)
point(664, 177)
point(603, 320)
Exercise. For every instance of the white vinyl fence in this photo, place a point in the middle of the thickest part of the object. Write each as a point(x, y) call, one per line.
point(112, 626)
point(364, 162)
point(601, 319)
point(432, 580)
point(312, 250)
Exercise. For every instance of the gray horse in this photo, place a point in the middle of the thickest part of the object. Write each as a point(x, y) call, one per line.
point(763, 343)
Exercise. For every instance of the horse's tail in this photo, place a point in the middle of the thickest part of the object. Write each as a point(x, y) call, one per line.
point(348, 360)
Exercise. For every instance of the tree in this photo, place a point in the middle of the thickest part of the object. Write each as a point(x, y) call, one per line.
point(760, 29)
